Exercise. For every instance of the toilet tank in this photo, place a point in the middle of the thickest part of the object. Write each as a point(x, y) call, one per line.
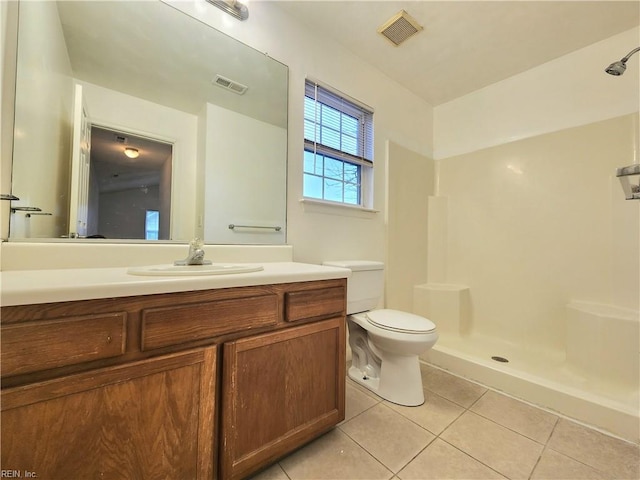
point(365, 286)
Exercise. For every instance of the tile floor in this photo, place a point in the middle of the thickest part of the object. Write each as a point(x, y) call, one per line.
point(463, 431)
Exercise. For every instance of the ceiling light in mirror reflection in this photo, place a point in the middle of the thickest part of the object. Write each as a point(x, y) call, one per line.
point(131, 152)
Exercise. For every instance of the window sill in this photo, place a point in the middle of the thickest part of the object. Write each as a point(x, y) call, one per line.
point(334, 208)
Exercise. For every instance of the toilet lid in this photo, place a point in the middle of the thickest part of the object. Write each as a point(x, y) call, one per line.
point(398, 321)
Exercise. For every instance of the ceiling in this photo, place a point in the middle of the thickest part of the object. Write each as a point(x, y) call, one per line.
point(125, 46)
point(114, 171)
point(466, 45)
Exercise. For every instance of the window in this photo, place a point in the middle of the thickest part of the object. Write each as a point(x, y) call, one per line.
point(338, 147)
point(152, 225)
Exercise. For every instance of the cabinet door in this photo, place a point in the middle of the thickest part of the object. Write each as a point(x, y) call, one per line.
point(145, 420)
point(281, 389)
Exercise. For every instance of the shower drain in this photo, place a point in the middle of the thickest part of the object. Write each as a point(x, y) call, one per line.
point(500, 359)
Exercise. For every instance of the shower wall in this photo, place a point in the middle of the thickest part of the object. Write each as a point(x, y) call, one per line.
point(410, 183)
point(527, 222)
point(540, 222)
point(535, 215)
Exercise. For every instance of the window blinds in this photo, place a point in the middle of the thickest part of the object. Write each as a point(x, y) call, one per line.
point(336, 126)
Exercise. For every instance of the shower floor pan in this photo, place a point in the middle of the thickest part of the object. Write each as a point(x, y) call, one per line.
point(542, 378)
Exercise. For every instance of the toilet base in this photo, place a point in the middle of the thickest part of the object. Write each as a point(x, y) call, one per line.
point(399, 382)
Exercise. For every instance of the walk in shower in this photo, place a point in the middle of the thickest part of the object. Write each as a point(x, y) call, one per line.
point(536, 255)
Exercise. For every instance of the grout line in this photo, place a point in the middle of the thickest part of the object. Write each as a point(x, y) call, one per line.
point(385, 402)
point(378, 401)
point(474, 458)
point(284, 471)
point(469, 410)
point(477, 399)
point(463, 410)
point(452, 422)
point(544, 449)
point(555, 425)
point(535, 405)
point(417, 454)
point(367, 451)
point(345, 421)
point(547, 447)
point(512, 430)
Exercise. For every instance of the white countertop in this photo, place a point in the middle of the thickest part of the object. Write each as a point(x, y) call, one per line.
point(23, 287)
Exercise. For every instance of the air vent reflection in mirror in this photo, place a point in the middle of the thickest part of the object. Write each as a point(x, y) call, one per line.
point(231, 85)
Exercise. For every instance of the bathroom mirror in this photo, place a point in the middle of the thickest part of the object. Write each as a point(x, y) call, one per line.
point(144, 73)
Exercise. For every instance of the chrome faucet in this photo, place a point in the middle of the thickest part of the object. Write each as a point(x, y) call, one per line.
point(196, 254)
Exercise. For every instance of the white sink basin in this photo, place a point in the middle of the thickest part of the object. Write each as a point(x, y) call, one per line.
point(187, 270)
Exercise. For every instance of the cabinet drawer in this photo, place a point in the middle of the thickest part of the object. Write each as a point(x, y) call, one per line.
point(33, 346)
point(165, 326)
point(318, 302)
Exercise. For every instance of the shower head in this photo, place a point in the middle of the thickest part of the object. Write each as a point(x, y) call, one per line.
point(618, 68)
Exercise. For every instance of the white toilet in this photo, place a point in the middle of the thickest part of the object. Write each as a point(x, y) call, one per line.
point(385, 344)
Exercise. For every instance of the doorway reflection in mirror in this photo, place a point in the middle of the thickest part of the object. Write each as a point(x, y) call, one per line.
point(129, 195)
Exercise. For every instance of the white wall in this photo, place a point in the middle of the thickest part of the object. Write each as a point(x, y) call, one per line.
point(319, 233)
point(243, 181)
point(116, 110)
point(45, 86)
point(566, 92)
point(8, 49)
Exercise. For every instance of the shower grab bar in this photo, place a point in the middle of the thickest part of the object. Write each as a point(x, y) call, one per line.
point(233, 227)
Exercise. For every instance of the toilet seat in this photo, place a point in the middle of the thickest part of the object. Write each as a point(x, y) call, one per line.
point(397, 321)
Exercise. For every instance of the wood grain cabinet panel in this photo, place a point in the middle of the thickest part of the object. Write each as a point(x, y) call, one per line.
point(166, 326)
point(318, 302)
point(152, 419)
point(33, 346)
point(126, 395)
point(281, 389)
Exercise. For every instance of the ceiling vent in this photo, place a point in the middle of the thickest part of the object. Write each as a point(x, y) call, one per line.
point(235, 87)
point(399, 28)
point(120, 138)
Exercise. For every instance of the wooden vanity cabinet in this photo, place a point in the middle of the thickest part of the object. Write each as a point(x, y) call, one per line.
point(281, 389)
point(148, 419)
point(190, 385)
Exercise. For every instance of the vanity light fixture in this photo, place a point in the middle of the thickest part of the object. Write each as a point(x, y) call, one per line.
point(232, 7)
point(131, 152)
